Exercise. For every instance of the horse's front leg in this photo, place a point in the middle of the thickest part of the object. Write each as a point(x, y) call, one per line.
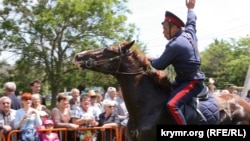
point(146, 134)
point(131, 131)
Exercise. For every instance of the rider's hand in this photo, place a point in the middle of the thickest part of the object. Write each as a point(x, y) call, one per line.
point(190, 4)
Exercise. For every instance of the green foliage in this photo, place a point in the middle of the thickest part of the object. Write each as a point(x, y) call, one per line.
point(47, 34)
point(227, 61)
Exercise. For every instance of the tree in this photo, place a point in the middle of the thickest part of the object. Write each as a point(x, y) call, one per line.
point(47, 34)
point(227, 61)
point(238, 66)
point(213, 61)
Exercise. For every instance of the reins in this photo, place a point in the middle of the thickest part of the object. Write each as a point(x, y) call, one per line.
point(94, 64)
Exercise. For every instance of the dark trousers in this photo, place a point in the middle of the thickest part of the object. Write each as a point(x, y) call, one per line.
point(182, 93)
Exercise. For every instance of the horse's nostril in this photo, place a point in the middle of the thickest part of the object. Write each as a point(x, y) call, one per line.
point(88, 63)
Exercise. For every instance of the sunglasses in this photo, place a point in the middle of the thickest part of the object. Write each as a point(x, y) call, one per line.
point(26, 99)
point(111, 106)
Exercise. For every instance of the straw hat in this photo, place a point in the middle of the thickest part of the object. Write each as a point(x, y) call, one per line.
point(91, 93)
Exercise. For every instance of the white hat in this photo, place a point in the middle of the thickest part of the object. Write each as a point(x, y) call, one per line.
point(110, 89)
point(43, 113)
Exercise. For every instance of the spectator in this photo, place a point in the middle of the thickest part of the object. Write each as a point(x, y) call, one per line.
point(99, 99)
point(121, 108)
point(231, 89)
point(48, 135)
point(35, 86)
point(27, 117)
point(10, 88)
point(111, 95)
point(248, 96)
point(93, 101)
point(74, 101)
point(85, 116)
point(7, 116)
point(61, 115)
point(211, 86)
point(44, 116)
point(108, 119)
point(36, 104)
point(122, 112)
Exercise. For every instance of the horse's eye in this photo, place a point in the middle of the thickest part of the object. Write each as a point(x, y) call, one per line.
point(105, 50)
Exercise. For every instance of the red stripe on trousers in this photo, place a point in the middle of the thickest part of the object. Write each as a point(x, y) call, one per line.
point(176, 98)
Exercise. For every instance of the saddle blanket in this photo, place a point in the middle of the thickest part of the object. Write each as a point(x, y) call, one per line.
point(209, 109)
point(195, 109)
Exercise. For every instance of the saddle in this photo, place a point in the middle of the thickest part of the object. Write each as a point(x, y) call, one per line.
point(203, 109)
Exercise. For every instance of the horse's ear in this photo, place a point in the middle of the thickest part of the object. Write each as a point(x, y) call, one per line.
point(128, 46)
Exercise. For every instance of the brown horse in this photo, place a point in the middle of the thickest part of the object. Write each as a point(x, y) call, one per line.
point(145, 91)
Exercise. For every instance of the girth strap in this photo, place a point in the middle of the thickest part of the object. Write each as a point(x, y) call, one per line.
point(198, 110)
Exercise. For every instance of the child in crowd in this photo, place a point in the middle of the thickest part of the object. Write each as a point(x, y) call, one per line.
point(44, 116)
point(49, 135)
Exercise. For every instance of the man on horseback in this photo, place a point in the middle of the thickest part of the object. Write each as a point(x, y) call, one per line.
point(181, 51)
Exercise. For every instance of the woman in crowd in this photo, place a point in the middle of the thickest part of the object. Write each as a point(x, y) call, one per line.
point(108, 119)
point(85, 116)
point(61, 114)
point(36, 104)
point(99, 99)
point(27, 117)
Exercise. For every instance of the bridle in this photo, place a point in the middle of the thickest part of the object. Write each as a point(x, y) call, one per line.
point(94, 64)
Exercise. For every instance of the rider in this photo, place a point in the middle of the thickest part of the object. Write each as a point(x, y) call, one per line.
point(181, 51)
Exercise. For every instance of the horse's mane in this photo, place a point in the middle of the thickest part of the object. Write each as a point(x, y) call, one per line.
point(158, 76)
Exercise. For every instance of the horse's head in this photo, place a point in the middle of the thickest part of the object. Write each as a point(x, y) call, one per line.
point(111, 60)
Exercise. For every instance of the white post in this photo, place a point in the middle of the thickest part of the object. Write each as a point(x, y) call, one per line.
point(246, 84)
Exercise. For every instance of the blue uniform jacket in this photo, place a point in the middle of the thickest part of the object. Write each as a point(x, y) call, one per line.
point(181, 53)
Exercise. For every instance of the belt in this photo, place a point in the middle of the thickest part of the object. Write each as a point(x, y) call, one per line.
point(186, 74)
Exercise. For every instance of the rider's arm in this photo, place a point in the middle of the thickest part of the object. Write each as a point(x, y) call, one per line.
point(191, 22)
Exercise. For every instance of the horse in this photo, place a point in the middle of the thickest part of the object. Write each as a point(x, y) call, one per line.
point(145, 91)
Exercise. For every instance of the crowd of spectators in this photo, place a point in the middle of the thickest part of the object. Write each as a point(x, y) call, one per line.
point(81, 111)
